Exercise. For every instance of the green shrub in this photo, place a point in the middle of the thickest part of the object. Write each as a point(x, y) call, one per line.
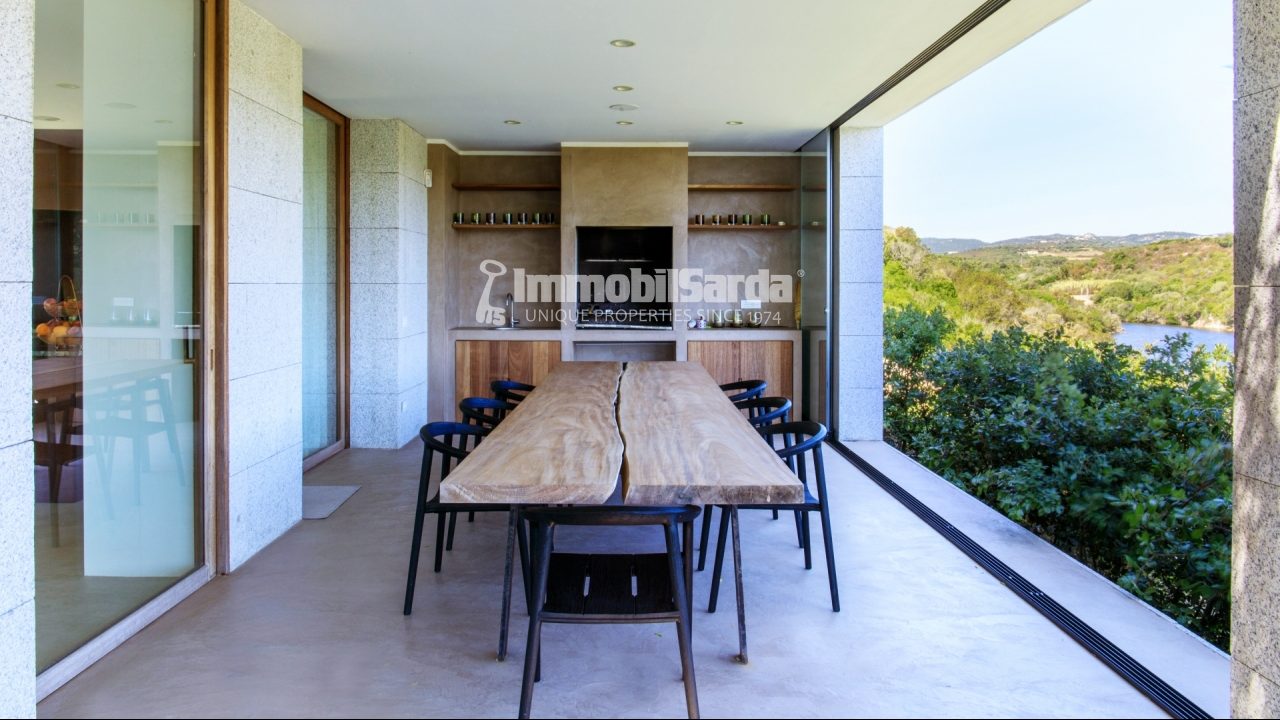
point(1120, 459)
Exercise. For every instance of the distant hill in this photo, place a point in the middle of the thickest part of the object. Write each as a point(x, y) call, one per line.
point(1066, 242)
point(942, 246)
point(1057, 241)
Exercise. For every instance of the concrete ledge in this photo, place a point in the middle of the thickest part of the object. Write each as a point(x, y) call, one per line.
point(1194, 667)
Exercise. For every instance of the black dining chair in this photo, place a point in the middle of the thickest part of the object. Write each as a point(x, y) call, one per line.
point(484, 412)
point(594, 589)
point(745, 389)
point(799, 444)
point(510, 391)
point(452, 442)
point(761, 412)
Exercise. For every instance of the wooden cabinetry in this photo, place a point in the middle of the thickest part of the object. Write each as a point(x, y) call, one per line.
point(479, 362)
point(732, 360)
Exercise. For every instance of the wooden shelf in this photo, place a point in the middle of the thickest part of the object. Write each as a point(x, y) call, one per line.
point(742, 188)
point(500, 226)
point(505, 187)
point(745, 228)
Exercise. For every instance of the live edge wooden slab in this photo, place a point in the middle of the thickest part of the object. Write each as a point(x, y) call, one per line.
point(561, 445)
point(686, 443)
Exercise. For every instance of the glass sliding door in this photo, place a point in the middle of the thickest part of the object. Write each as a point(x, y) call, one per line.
point(324, 263)
point(116, 311)
point(815, 254)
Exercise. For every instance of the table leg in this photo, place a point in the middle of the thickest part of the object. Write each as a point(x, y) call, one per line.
point(506, 585)
point(737, 583)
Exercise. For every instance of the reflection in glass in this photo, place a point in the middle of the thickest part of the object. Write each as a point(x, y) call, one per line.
point(320, 345)
point(814, 257)
point(115, 311)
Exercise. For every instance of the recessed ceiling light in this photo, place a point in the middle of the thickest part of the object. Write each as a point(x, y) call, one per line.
point(47, 118)
point(69, 86)
point(121, 105)
point(732, 122)
point(623, 107)
point(625, 122)
point(620, 43)
point(510, 122)
point(623, 88)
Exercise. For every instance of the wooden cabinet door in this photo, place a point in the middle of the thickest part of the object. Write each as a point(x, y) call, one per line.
point(768, 360)
point(720, 358)
point(529, 361)
point(476, 363)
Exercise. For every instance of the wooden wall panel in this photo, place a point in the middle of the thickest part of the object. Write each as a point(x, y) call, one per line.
point(477, 363)
point(768, 360)
point(530, 361)
point(720, 358)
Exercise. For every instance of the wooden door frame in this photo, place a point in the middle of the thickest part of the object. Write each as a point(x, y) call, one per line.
point(343, 319)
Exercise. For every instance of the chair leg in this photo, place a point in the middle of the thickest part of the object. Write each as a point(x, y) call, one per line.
point(686, 557)
point(825, 517)
point(706, 535)
point(526, 565)
point(414, 550)
point(170, 427)
point(719, 566)
point(775, 514)
point(533, 645)
point(506, 586)
point(453, 522)
point(737, 582)
point(471, 517)
point(799, 530)
point(679, 575)
point(531, 664)
point(440, 523)
point(804, 541)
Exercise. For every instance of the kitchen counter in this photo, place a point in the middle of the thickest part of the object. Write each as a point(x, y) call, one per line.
point(518, 333)
point(761, 333)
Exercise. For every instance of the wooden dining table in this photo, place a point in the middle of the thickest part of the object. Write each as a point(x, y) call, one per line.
point(664, 430)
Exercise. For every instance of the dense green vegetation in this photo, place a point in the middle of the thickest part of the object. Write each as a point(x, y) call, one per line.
point(1082, 292)
point(995, 381)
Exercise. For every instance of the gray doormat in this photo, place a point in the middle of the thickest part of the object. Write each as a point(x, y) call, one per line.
point(319, 501)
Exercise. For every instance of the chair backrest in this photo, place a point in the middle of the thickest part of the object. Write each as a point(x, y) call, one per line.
point(484, 412)
point(510, 391)
point(451, 441)
point(799, 445)
point(745, 389)
point(764, 411)
point(611, 515)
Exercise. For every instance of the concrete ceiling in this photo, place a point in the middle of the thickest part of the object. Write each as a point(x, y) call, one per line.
point(456, 69)
point(120, 72)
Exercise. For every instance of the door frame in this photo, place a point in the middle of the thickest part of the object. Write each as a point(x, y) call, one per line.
point(342, 122)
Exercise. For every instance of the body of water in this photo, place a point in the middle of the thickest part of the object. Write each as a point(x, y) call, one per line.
point(1138, 335)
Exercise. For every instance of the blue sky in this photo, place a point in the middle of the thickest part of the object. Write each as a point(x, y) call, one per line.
point(1114, 120)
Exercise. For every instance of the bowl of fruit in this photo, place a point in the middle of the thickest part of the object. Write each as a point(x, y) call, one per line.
point(62, 330)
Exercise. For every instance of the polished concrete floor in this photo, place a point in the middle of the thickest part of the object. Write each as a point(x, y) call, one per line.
point(312, 626)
